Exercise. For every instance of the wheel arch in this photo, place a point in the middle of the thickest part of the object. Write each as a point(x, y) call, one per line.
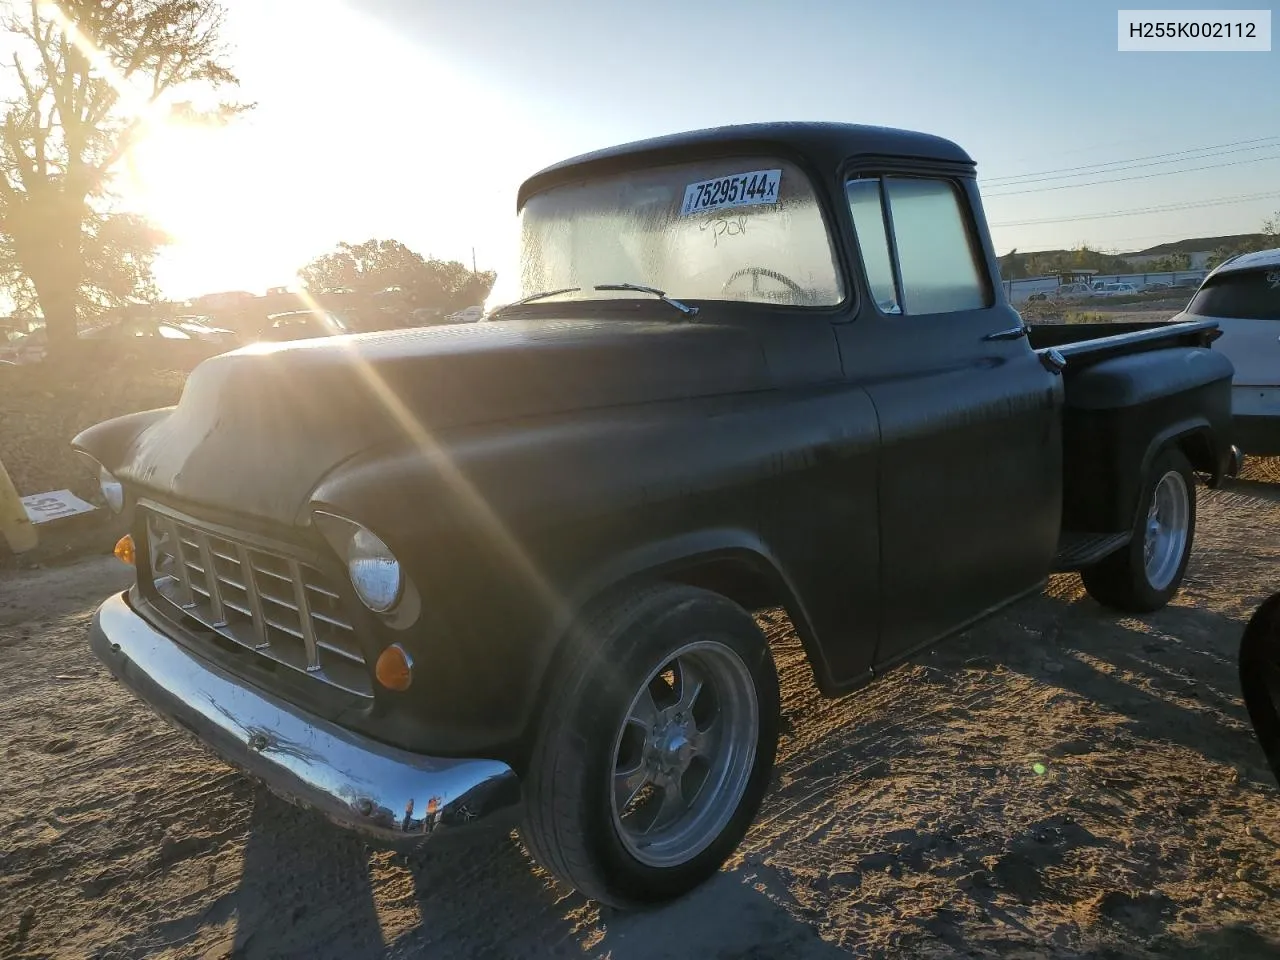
point(734, 564)
point(1195, 438)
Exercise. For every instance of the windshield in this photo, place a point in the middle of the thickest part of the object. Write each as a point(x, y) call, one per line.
point(747, 229)
point(1239, 295)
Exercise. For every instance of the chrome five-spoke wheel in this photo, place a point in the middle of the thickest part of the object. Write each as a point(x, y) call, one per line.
point(655, 749)
point(1168, 519)
point(1144, 575)
point(684, 754)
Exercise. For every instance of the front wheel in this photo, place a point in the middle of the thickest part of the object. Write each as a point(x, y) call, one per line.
point(1145, 574)
point(655, 749)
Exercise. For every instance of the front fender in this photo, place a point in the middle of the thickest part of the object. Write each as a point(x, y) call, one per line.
point(111, 441)
point(509, 530)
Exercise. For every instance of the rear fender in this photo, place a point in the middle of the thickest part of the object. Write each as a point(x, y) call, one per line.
point(1121, 412)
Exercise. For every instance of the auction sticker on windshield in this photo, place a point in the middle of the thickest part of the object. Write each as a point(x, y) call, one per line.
point(736, 190)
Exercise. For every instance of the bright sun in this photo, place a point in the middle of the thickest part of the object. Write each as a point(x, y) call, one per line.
point(248, 203)
point(177, 178)
point(197, 184)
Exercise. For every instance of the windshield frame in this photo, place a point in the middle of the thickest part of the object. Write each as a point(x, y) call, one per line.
point(819, 185)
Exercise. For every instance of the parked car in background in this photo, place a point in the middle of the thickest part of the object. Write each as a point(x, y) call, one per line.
point(1156, 285)
point(174, 329)
point(426, 317)
point(1063, 292)
point(1243, 296)
point(1070, 291)
point(1114, 290)
point(180, 342)
point(304, 325)
point(201, 328)
point(469, 315)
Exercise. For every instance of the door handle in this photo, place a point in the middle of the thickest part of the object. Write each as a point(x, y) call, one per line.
point(1013, 333)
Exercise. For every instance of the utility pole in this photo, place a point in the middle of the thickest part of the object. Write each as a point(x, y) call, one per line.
point(474, 271)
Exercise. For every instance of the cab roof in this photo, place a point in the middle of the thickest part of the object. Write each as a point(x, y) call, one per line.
point(824, 145)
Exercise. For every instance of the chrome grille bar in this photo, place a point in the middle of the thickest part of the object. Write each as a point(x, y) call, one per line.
point(304, 616)
point(180, 563)
point(255, 601)
point(267, 602)
point(211, 580)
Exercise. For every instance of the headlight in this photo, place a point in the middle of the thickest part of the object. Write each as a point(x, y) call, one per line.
point(374, 570)
point(112, 489)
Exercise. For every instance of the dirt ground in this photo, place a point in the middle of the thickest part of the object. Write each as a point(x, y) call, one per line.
point(1056, 783)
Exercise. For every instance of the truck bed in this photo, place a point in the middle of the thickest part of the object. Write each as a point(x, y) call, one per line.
point(1127, 386)
point(1099, 341)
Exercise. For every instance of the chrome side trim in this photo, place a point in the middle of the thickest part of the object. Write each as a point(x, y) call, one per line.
point(381, 791)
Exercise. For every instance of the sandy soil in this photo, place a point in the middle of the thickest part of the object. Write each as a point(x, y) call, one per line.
point(1056, 783)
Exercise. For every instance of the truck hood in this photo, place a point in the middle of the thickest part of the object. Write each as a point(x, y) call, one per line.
point(258, 428)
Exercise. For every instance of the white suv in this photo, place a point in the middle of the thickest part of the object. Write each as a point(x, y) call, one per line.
point(1243, 295)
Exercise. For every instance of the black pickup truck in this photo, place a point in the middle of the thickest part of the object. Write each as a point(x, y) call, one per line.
point(424, 578)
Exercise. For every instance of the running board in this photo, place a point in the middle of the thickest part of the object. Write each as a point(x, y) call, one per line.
point(1079, 550)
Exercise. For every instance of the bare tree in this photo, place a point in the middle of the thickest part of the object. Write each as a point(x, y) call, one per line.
point(89, 76)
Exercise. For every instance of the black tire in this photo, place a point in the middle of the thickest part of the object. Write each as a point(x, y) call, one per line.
point(1120, 581)
point(1260, 678)
point(569, 824)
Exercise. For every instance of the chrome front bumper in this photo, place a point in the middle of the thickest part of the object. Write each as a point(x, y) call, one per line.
point(381, 791)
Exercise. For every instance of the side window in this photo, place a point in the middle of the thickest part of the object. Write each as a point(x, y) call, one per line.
point(923, 248)
point(873, 241)
point(936, 253)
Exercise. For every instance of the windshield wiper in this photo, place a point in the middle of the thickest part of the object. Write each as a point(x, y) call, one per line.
point(531, 297)
point(684, 308)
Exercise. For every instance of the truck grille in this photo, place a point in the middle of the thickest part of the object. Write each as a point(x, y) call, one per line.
point(271, 604)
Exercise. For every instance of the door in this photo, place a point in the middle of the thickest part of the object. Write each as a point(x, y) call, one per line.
point(970, 480)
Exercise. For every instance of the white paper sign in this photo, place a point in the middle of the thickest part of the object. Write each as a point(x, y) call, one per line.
point(737, 190)
point(43, 507)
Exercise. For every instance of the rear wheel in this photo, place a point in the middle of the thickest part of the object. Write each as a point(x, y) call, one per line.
point(656, 749)
point(1145, 574)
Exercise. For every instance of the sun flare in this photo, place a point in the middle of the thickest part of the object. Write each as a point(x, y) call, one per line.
point(178, 178)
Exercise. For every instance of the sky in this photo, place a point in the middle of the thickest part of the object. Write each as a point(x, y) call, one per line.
point(418, 119)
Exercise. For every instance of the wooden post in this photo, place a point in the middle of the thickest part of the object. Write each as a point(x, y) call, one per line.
point(19, 532)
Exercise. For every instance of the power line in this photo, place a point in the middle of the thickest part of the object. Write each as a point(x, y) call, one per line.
point(1095, 167)
point(1139, 166)
point(1075, 151)
point(1141, 176)
point(1141, 211)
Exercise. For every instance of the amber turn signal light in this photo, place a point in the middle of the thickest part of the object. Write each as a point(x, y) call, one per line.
point(124, 549)
point(394, 668)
